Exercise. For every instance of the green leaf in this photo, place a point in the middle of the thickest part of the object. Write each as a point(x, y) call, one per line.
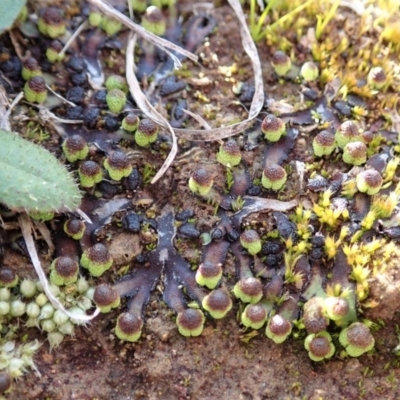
point(32, 179)
point(9, 11)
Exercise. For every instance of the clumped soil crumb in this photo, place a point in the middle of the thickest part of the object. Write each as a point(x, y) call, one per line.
point(223, 363)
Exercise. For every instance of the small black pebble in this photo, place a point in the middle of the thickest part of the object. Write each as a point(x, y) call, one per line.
point(140, 259)
point(171, 85)
point(76, 64)
point(111, 123)
point(12, 67)
point(233, 235)
point(217, 234)
point(318, 241)
point(317, 183)
point(90, 117)
point(343, 108)
point(317, 254)
point(188, 230)
point(100, 97)
point(311, 94)
point(247, 93)
point(107, 189)
point(271, 261)
point(254, 190)
point(76, 94)
point(354, 100)
point(132, 221)
point(271, 247)
point(132, 181)
point(79, 79)
point(184, 215)
point(74, 112)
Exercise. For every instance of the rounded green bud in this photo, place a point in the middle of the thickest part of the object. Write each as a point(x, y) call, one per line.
point(110, 25)
point(146, 133)
point(64, 271)
point(90, 293)
point(336, 308)
point(67, 328)
point(273, 177)
point(95, 18)
point(32, 323)
point(60, 318)
point(41, 216)
point(254, 316)
point(130, 123)
point(116, 100)
point(116, 82)
point(28, 288)
point(35, 90)
point(17, 308)
point(347, 132)
point(53, 51)
point(55, 290)
point(319, 346)
point(5, 382)
point(356, 339)
point(90, 173)
point(281, 63)
point(30, 68)
point(8, 278)
point(201, 182)
point(153, 20)
point(106, 297)
point(218, 303)
point(229, 153)
point(163, 3)
point(249, 290)
point(377, 78)
point(139, 5)
point(5, 294)
point(278, 329)
point(324, 144)
point(369, 181)
point(41, 299)
point(75, 148)
point(273, 128)
point(75, 228)
point(314, 315)
point(355, 153)
point(16, 367)
point(209, 274)
point(129, 327)
point(77, 311)
point(48, 325)
point(190, 322)
point(51, 22)
point(32, 310)
point(309, 71)
point(251, 241)
point(82, 285)
point(47, 311)
point(55, 339)
point(85, 303)
point(96, 259)
point(117, 165)
point(5, 307)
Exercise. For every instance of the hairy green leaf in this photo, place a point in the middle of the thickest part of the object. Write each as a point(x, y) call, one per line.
point(9, 11)
point(32, 179)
